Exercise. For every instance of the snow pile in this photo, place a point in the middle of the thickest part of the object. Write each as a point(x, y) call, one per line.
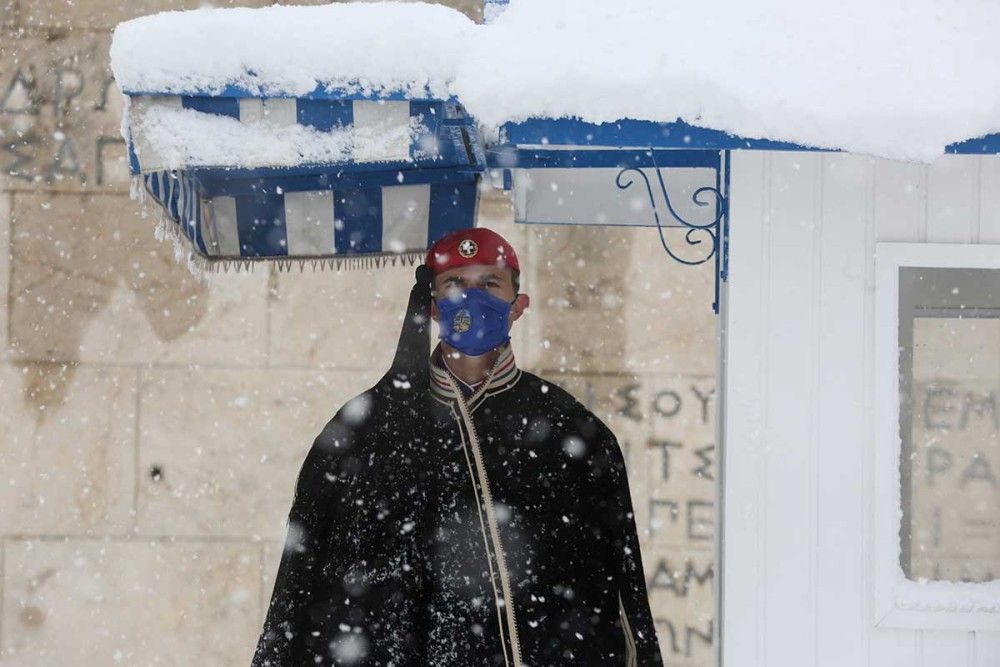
point(381, 47)
point(182, 138)
point(899, 78)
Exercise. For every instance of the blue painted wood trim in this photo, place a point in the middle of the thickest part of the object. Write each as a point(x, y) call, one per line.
point(632, 133)
point(509, 157)
point(988, 145)
point(635, 133)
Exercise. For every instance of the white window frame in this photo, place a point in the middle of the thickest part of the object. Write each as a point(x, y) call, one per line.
point(899, 602)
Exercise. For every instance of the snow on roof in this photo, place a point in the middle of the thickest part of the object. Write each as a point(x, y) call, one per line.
point(380, 47)
point(899, 78)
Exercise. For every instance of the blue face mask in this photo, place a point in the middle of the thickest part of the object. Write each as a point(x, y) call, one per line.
point(474, 322)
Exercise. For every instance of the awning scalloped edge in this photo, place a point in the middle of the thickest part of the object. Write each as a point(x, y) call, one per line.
point(200, 266)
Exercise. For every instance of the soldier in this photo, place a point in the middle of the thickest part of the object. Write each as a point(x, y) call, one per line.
point(462, 511)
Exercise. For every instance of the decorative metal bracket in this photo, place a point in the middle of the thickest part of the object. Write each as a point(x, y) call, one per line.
point(716, 232)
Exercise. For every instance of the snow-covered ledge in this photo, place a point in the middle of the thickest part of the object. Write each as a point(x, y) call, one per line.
point(900, 602)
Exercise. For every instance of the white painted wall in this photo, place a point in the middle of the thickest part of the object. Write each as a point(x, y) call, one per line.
point(798, 424)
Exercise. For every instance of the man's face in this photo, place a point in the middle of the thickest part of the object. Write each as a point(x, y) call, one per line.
point(498, 281)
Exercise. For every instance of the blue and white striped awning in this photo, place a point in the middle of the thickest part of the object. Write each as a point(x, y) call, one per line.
point(320, 181)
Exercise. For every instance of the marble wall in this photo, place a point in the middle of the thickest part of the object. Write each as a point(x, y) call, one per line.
point(151, 426)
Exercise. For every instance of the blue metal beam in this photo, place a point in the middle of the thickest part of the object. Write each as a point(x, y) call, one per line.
point(510, 157)
point(640, 133)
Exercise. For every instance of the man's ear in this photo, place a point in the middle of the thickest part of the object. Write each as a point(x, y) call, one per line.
point(434, 310)
point(518, 307)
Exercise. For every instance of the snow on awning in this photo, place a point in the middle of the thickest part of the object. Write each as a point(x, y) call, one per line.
point(903, 79)
point(326, 182)
point(267, 133)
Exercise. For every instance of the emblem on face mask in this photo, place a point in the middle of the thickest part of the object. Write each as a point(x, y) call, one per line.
point(475, 323)
point(468, 248)
point(462, 321)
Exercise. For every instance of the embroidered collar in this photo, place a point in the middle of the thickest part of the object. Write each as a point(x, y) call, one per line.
point(444, 385)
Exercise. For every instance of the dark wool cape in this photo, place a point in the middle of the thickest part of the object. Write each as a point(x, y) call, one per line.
point(430, 528)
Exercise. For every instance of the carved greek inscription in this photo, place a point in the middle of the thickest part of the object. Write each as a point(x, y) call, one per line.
point(59, 115)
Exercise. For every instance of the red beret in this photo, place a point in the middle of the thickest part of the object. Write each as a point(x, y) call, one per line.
point(475, 245)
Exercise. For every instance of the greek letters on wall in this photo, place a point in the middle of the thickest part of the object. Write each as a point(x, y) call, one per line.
point(954, 491)
point(59, 111)
point(666, 430)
